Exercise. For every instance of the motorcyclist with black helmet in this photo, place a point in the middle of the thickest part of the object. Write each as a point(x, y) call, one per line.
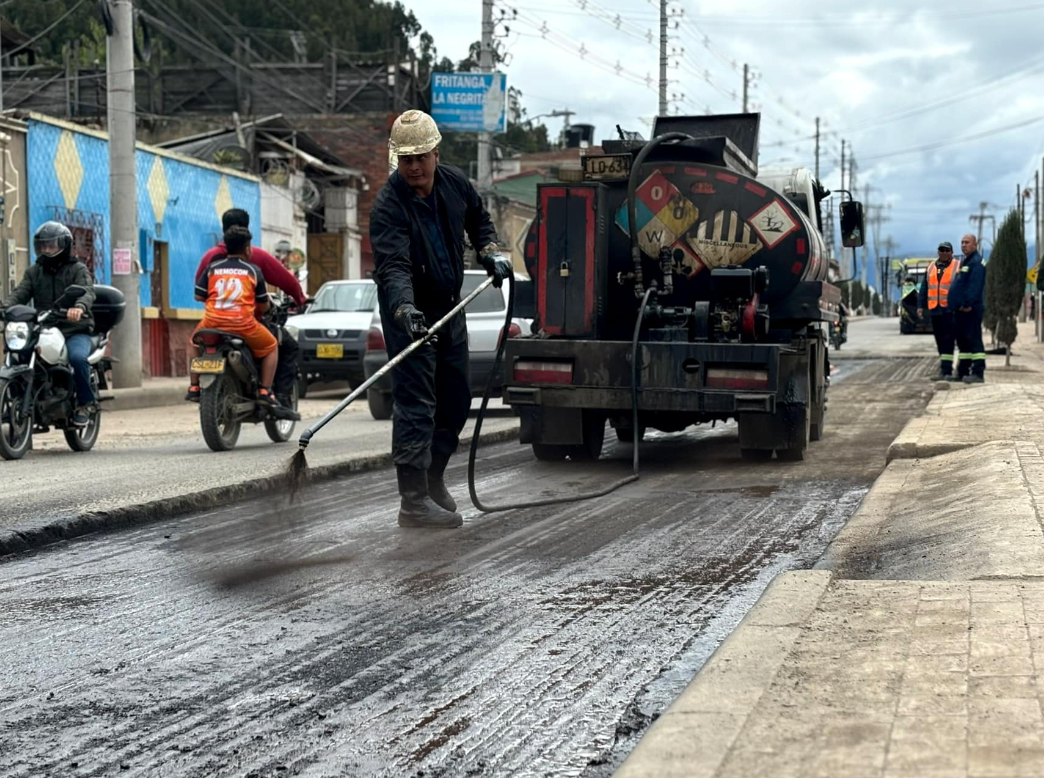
point(43, 283)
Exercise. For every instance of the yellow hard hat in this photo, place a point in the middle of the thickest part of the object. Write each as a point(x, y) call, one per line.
point(414, 132)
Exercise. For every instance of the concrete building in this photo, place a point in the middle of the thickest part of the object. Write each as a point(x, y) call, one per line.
point(309, 196)
point(180, 202)
point(14, 221)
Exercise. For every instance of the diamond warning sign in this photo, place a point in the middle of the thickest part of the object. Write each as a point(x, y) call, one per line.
point(773, 223)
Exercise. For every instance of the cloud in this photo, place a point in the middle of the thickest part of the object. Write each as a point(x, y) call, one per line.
point(883, 78)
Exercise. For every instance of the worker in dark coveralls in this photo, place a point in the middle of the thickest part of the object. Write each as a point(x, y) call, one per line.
point(966, 298)
point(417, 229)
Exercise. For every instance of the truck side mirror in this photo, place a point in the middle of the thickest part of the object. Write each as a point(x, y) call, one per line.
point(853, 230)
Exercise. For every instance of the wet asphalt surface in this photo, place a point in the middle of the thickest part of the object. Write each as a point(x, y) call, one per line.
point(319, 639)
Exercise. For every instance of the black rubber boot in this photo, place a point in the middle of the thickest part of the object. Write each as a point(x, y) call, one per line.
point(418, 509)
point(437, 486)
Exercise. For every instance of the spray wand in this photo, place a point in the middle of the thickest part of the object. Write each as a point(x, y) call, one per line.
point(297, 470)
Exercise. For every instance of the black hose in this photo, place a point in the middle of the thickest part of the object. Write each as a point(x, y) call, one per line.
point(485, 402)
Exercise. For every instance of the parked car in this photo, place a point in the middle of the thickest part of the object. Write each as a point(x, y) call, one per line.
point(332, 331)
point(485, 320)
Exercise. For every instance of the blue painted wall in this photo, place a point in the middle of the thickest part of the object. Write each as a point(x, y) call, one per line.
point(179, 202)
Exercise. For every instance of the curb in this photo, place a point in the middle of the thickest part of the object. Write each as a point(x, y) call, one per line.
point(15, 541)
point(714, 707)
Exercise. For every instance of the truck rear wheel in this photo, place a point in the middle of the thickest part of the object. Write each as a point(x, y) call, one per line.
point(594, 438)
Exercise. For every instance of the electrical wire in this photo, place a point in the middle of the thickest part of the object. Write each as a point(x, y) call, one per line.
point(954, 141)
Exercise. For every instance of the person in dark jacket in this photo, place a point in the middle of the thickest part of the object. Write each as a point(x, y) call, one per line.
point(417, 228)
point(43, 283)
point(934, 295)
point(966, 298)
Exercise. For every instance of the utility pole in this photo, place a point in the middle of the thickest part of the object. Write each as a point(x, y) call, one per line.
point(485, 161)
point(979, 219)
point(886, 283)
point(663, 57)
point(123, 193)
point(876, 217)
point(866, 207)
point(746, 84)
point(842, 163)
point(817, 148)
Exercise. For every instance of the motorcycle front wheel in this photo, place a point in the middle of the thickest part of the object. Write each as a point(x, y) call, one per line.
point(217, 414)
point(16, 430)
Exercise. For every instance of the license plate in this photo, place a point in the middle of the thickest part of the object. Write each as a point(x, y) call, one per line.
point(329, 351)
point(607, 166)
point(207, 365)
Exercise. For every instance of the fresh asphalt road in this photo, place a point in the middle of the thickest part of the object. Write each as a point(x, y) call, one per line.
point(318, 639)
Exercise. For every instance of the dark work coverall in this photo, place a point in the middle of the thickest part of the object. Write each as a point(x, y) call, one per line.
point(967, 292)
point(418, 252)
point(943, 327)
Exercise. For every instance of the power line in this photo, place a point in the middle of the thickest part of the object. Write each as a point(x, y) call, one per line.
point(846, 19)
point(955, 141)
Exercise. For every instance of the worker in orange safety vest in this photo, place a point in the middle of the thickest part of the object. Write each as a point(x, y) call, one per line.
point(934, 295)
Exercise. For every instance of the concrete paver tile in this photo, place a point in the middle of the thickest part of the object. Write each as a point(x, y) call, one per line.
point(789, 761)
point(917, 755)
point(739, 673)
point(943, 663)
point(997, 611)
point(936, 646)
point(688, 745)
point(935, 683)
point(1007, 686)
point(1001, 665)
point(930, 727)
point(1000, 760)
point(932, 705)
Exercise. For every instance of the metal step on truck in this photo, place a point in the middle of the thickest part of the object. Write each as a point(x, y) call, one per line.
point(714, 274)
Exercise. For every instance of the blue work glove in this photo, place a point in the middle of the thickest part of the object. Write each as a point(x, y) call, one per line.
point(498, 266)
point(411, 320)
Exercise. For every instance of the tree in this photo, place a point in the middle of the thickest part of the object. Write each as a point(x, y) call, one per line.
point(355, 26)
point(877, 304)
point(1006, 281)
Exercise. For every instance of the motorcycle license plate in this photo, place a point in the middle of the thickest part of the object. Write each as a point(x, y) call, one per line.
point(329, 351)
point(207, 365)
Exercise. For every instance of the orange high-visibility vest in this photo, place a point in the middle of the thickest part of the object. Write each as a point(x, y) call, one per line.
point(939, 284)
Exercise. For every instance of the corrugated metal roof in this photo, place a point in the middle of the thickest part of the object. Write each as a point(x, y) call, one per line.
point(522, 187)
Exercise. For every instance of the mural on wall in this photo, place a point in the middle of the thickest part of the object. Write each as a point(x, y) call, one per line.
point(180, 202)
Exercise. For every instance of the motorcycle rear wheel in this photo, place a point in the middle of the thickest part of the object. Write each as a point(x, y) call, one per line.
point(16, 434)
point(84, 438)
point(217, 414)
point(280, 430)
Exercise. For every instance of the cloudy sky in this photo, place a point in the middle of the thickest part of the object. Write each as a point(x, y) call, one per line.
point(942, 102)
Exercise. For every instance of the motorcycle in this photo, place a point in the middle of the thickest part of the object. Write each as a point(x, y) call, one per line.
point(228, 384)
point(37, 390)
point(838, 334)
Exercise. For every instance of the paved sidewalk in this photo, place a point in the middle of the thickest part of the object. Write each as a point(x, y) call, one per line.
point(918, 647)
point(891, 679)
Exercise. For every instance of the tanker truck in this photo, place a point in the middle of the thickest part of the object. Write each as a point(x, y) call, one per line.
point(674, 256)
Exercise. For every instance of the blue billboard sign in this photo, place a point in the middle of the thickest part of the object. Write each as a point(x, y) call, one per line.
point(468, 101)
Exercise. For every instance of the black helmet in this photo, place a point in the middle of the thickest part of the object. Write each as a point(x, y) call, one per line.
point(52, 243)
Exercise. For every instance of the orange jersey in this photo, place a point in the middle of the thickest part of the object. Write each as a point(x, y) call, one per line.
point(232, 287)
